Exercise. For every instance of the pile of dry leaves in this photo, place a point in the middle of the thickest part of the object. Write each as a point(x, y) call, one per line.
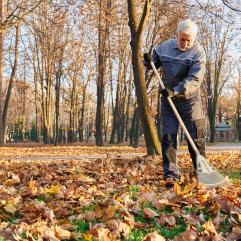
point(121, 199)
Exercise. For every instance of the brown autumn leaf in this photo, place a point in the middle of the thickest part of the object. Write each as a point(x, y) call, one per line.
point(145, 196)
point(100, 232)
point(233, 237)
point(62, 233)
point(110, 212)
point(153, 237)
point(149, 213)
point(189, 235)
point(72, 185)
point(13, 180)
point(118, 228)
point(166, 219)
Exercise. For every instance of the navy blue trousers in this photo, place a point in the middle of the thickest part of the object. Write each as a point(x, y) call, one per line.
point(191, 113)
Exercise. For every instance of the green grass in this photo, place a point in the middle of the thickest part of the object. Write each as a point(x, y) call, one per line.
point(137, 235)
point(42, 198)
point(147, 204)
point(189, 209)
point(13, 219)
point(234, 175)
point(23, 235)
point(81, 226)
point(165, 231)
point(173, 232)
point(226, 227)
point(133, 192)
point(90, 207)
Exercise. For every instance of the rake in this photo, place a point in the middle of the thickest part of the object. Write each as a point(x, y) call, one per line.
point(206, 174)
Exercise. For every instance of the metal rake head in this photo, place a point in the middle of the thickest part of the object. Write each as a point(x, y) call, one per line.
point(208, 176)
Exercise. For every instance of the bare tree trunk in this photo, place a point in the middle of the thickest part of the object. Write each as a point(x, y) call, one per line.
point(82, 113)
point(35, 78)
point(72, 113)
point(135, 129)
point(102, 59)
point(151, 137)
point(238, 117)
point(212, 117)
point(1, 73)
point(10, 85)
point(127, 127)
point(106, 122)
point(117, 103)
point(57, 99)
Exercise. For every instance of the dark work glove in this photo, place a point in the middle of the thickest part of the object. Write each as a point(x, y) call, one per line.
point(147, 57)
point(166, 92)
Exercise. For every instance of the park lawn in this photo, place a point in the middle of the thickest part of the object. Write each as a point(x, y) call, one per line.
point(114, 199)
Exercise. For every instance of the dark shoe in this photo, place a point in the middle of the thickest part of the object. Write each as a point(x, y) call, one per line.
point(171, 180)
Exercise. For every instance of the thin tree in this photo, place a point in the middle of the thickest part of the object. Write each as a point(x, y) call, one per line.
point(103, 35)
point(1, 72)
point(216, 39)
point(136, 27)
point(11, 81)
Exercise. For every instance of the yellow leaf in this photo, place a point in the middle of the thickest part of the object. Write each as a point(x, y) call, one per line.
point(208, 226)
point(87, 236)
point(177, 188)
point(32, 186)
point(187, 188)
point(203, 198)
point(52, 189)
point(10, 208)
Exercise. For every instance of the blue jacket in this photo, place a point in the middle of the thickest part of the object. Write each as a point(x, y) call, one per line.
point(183, 71)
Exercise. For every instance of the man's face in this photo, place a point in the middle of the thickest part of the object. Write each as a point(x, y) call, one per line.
point(184, 40)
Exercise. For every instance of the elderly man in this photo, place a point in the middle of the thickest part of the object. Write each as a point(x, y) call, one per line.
point(183, 63)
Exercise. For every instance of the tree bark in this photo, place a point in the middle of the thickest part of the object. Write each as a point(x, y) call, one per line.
point(11, 80)
point(57, 99)
point(1, 73)
point(151, 137)
point(117, 104)
point(102, 59)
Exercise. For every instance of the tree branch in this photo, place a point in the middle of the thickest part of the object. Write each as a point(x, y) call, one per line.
point(144, 16)
point(229, 6)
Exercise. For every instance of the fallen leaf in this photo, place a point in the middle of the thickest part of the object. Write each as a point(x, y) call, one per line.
point(153, 237)
point(62, 233)
point(149, 213)
point(87, 237)
point(208, 226)
point(110, 212)
point(10, 208)
point(32, 187)
point(189, 235)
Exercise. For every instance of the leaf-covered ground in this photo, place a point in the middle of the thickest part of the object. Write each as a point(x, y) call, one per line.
point(113, 199)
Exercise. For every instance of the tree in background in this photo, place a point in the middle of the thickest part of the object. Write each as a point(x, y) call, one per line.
point(216, 38)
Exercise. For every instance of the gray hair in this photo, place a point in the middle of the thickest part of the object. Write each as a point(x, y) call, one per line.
point(188, 26)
